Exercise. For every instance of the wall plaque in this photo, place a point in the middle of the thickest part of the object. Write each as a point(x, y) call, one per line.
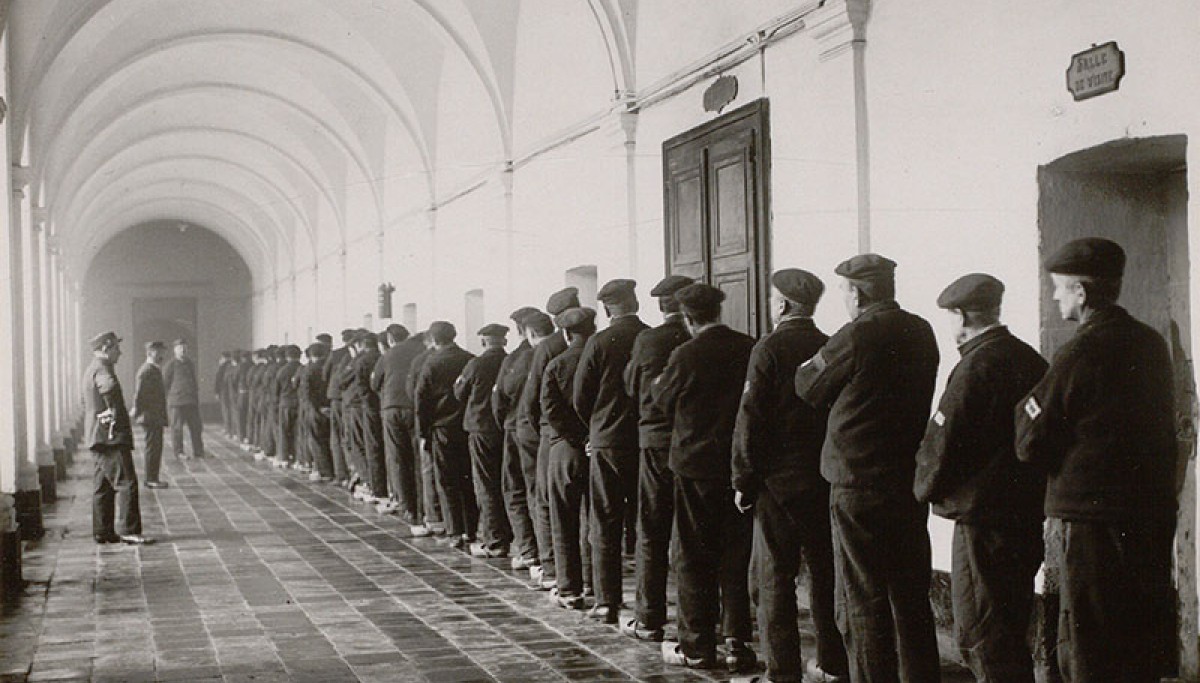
point(722, 91)
point(1096, 71)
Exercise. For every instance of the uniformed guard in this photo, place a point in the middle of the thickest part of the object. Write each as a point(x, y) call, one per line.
point(1101, 424)
point(150, 408)
point(567, 470)
point(656, 483)
point(369, 420)
point(612, 416)
point(388, 380)
point(777, 470)
point(314, 398)
point(485, 441)
point(517, 476)
point(288, 402)
point(337, 360)
point(431, 504)
point(699, 391)
point(876, 376)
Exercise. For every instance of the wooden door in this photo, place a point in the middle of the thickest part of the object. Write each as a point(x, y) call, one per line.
point(716, 211)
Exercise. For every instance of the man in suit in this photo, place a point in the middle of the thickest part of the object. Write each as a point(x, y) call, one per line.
point(876, 376)
point(109, 435)
point(150, 408)
point(699, 391)
point(183, 400)
point(517, 475)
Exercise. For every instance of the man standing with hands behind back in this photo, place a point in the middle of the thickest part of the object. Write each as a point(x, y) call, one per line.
point(183, 400)
point(150, 405)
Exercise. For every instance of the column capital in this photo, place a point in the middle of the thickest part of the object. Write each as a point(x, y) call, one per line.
point(838, 24)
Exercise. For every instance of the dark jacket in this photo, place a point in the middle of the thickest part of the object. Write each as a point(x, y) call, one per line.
point(649, 356)
point(334, 365)
point(529, 409)
point(179, 379)
point(876, 375)
point(1101, 423)
point(562, 420)
point(599, 392)
point(150, 396)
point(360, 371)
point(343, 375)
point(267, 391)
point(102, 392)
point(287, 385)
point(473, 388)
point(700, 390)
point(436, 406)
point(509, 383)
point(241, 377)
point(390, 379)
point(224, 370)
point(967, 465)
point(778, 439)
point(311, 388)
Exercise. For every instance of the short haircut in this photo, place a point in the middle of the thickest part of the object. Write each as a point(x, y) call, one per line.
point(542, 326)
point(1101, 291)
point(876, 290)
point(702, 315)
point(442, 334)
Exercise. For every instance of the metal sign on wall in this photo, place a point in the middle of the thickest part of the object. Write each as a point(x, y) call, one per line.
point(1096, 71)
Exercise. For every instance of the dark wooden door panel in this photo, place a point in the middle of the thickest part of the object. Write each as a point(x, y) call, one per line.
point(737, 311)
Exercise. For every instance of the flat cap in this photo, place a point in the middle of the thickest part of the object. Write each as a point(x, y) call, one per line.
point(1092, 256)
point(699, 296)
point(397, 330)
point(103, 339)
point(493, 330)
point(798, 285)
point(151, 345)
point(973, 292)
point(325, 339)
point(615, 291)
point(349, 334)
point(574, 318)
point(562, 300)
point(317, 350)
point(518, 316)
point(539, 322)
point(866, 267)
point(671, 284)
point(179, 342)
point(292, 351)
point(366, 337)
point(440, 329)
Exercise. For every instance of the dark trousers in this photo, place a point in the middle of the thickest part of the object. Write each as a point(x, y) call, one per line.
point(243, 415)
point(187, 415)
point(251, 418)
point(401, 460)
point(431, 501)
point(374, 462)
point(614, 482)
point(337, 429)
point(268, 431)
point(514, 485)
point(451, 467)
point(115, 485)
point(153, 452)
point(352, 441)
point(317, 435)
point(882, 559)
point(286, 436)
point(567, 477)
point(655, 517)
point(541, 507)
point(712, 563)
point(785, 528)
point(487, 455)
point(1117, 620)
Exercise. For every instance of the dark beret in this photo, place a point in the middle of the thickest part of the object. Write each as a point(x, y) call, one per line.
point(540, 323)
point(179, 342)
point(442, 329)
point(150, 346)
point(325, 339)
point(398, 331)
point(1092, 256)
point(349, 334)
point(562, 300)
point(798, 285)
point(366, 337)
point(615, 291)
point(493, 330)
point(671, 284)
point(866, 267)
point(518, 316)
point(317, 350)
point(292, 351)
point(271, 348)
point(699, 296)
point(104, 339)
point(974, 292)
point(574, 318)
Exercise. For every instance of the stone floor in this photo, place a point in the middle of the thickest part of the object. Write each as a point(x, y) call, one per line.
point(261, 576)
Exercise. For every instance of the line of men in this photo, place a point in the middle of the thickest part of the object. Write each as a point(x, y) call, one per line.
point(736, 459)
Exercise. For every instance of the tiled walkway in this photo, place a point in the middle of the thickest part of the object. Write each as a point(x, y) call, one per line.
point(260, 576)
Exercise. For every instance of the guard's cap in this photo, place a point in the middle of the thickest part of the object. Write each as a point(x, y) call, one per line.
point(493, 330)
point(440, 329)
point(348, 335)
point(153, 345)
point(866, 268)
point(562, 300)
point(615, 291)
point(576, 318)
point(104, 339)
point(699, 296)
point(179, 342)
point(671, 284)
point(325, 339)
point(1091, 256)
point(398, 331)
point(317, 350)
point(974, 292)
point(518, 316)
point(798, 285)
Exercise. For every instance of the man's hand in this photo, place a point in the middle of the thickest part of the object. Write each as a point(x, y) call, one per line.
point(743, 501)
point(587, 448)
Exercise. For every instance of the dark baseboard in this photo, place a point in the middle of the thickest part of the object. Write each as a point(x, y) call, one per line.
point(11, 582)
point(28, 506)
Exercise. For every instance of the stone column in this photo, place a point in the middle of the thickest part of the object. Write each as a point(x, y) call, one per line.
point(18, 482)
point(508, 296)
point(35, 361)
point(629, 120)
point(28, 496)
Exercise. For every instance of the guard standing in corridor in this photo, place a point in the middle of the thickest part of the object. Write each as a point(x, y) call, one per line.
point(515, 477)
point(150, 409)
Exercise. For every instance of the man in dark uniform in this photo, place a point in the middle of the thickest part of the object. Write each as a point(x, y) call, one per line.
point(288, 401)
point(656, 483)
point(431, 504)
point(268, 407)
point(241, 390)
point(351, 436)
point(699, 391)
point(968, 468)
point(183, 400)
point(515, 477)
point(777, 470)
point(876, 376)
point(567, 470)
point(1101, 424)
point(369, 421)
point(612, 416)
point(315, 402)
point(220, 383)
point(529, 424)
point(388, 380)
point(440, 418)
point(334, 365)
point(485, 440)
point(250, 384)
point(109, 435)
point(150, 408)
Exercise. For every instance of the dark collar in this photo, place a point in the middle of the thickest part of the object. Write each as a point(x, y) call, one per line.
point(803, 322)
point(877, 308)
point(980, 340)
point(1104, 316)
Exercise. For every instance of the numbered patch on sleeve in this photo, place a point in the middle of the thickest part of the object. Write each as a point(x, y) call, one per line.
point(939, 419)
point(1032, 409)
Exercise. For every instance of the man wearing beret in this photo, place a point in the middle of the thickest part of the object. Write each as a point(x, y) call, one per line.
point(440, 420)
point(183, 400)
point(517, 475)
point(388, 380)
point(656, 483)
point(338, 358)
point(369, 422)
point(288, 401)
point(530, 422)
point(1101, 424)
point(485, 441)
point(699, 391)
point(776, 469)
point(352, 438)
point(431, 504)
point(150, 408)
point(968, 469)
point(315, 402)
point(109, 435)
point(567, 467)
point(600, 399)
point(876, 376)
